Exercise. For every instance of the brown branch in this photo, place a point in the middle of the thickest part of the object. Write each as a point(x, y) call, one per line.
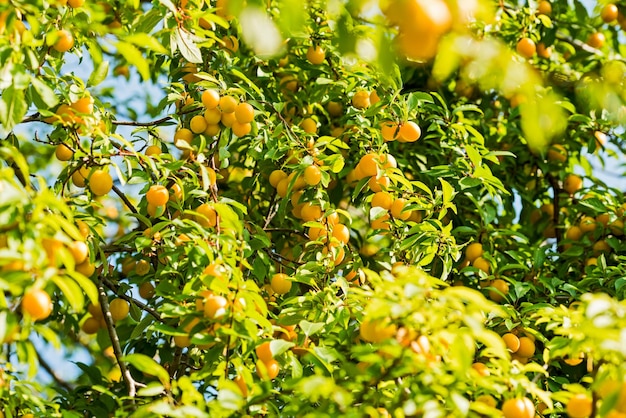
point(134, 123)
point(131, 385)
point(59, 381)
point(124, 199)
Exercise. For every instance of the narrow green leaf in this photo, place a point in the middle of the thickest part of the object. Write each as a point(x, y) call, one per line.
point(149, 366)
point(99, 74)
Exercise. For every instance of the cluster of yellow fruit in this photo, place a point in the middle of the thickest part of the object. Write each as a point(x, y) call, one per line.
point(421, 25)
point(78, 115)
point(119, 309)
point(362, 99)
point(521, 348)
point(498, 288)
point(597, 228)
point(225, 110)
point(267, 368)
point(99, 180)
point(407, 131)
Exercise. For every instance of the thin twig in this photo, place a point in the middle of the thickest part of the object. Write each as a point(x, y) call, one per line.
point(132, 300)
point(131, 385)
point(134, 123)
point(53, 374)
point(124, 199)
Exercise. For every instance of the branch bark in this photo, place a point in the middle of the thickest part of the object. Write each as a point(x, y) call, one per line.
point(131, 385)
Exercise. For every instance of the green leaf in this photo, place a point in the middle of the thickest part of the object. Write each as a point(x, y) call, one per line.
point(133, 55)
point(45, 93)
point(185, 42)
point(13, 107)
point(87, 286)
point(148, 366)
point(143, 40)
point(310, 328)
point(72, 292)
point(99, 74)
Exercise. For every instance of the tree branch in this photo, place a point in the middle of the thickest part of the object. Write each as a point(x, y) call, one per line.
point(53, 374)
point(131, 385)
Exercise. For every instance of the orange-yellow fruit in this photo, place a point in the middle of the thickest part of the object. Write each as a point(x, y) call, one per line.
point(378, 183)
point(241, 129)
point(215, 306)
point(210, 98)
point(526, 348)
point(375, 331)
point(361, 99)
point(596, 40)
point(573, 233)
point(409, 132)
point(153, 150)
point(100, 182)
point(382, 200)
point(85, 268)
point(37, 304)
point(335, 109)
point(91, 325)
point(381, 222)
point(545, 8)
point(482, 264)
point(228, 119)
point(267, 370)
point(609, 13)
point(84, 105)
point(368, 164)
point(142, 267)
point(198, 124)
point(587, 224)
point(544, 51)
point(281, 283)
point(557, 153)
point(518, 408)
point(119, 309)
point(311, 212)
point(389, 130)
point(316, 55)
point(397, 209)
point(309, 125)
point(208, 215)
point(499, 291)
point(64, 41)
point(79, 250)
point(473, 251)
point(158, 195)
point(512, 342)
point(276, 176)
point(182, 341)
point(342, 233)
point(244, 112)
point(79, 176)
point(312, 175)
point(241, 384)
point(579, 406)
point(572, 183)
point(264, 352)
point(228, 104)
point(63, 153)
point(213, 116)
point(526, 47)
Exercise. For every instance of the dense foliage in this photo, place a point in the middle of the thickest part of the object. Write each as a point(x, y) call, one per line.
point(329, 209)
